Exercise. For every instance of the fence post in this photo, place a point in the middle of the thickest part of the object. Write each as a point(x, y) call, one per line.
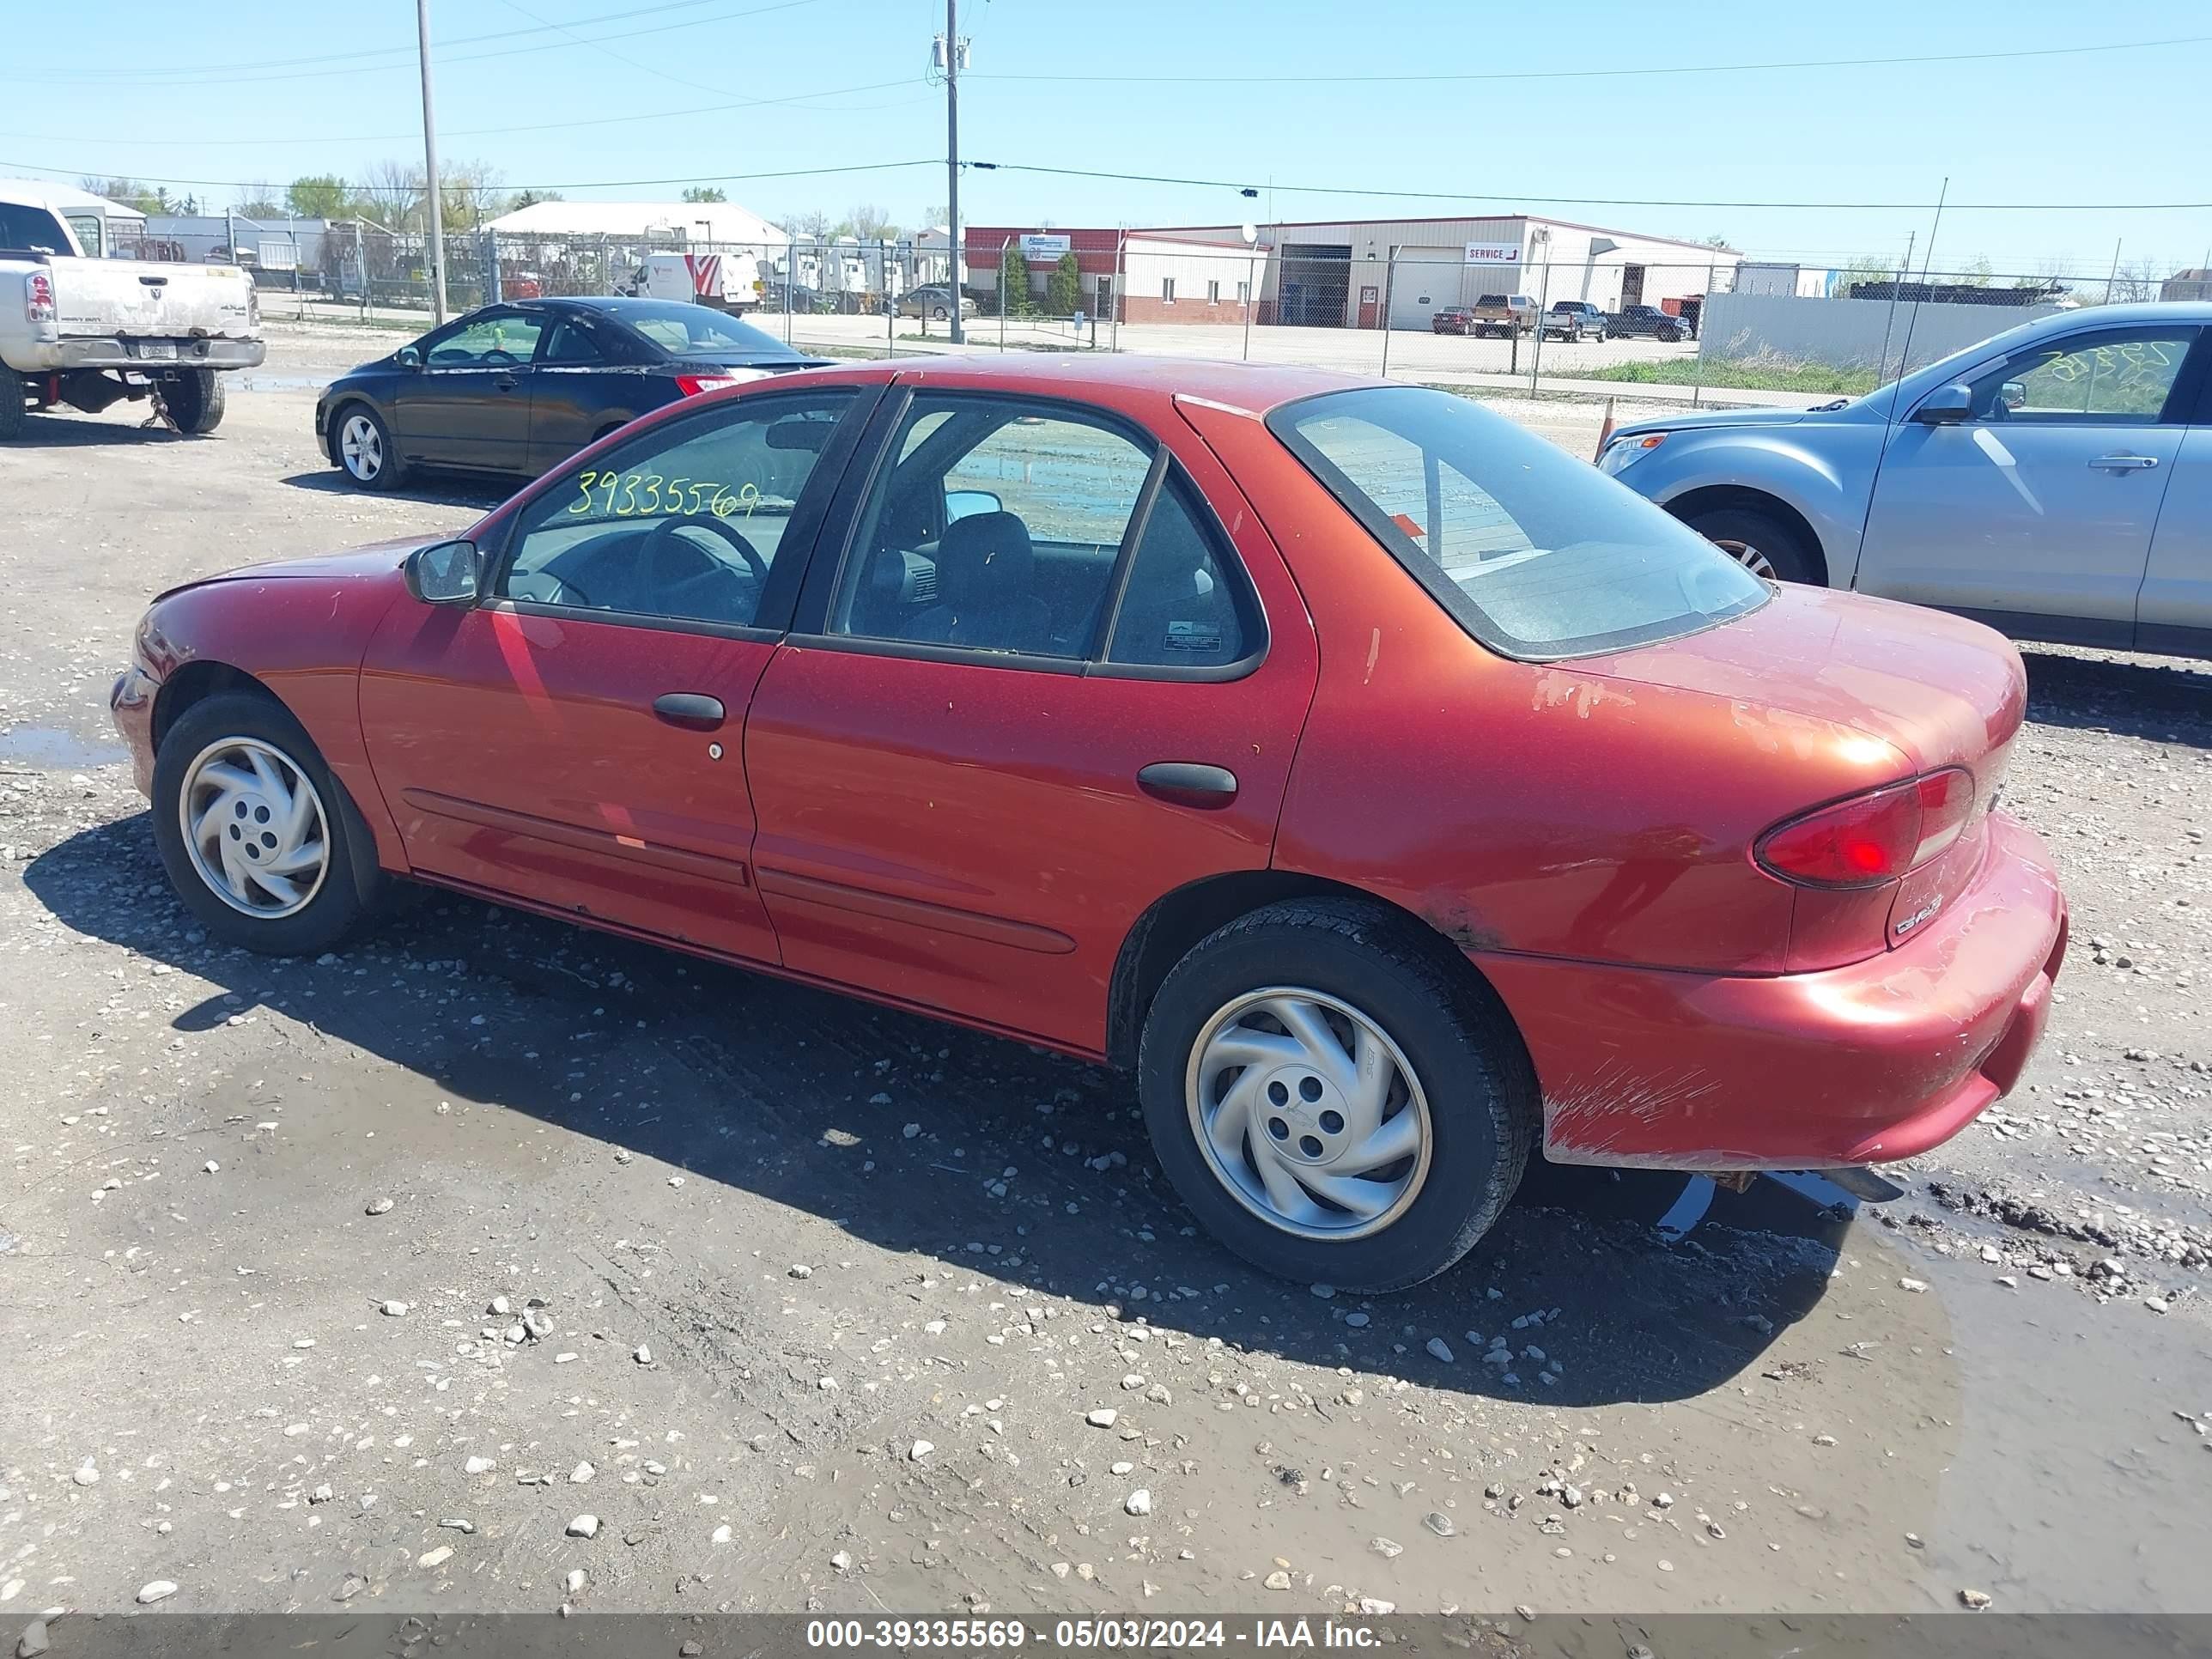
point(360, 258)
point(1389, 278)
point(1543, 298)
point(790, 279)
point(1003, 247)
point(1120, 284)
point(890, 300)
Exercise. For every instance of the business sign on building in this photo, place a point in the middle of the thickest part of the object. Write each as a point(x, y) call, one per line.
point(1041, 246)
point(1493, 253)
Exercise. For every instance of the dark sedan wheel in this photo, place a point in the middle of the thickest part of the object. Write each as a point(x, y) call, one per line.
point(362, 445)
point(251, 831)
point(1333, 1098)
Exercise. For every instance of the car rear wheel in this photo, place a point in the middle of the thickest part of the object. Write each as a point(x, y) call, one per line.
point(194, 400)
point(363, 449)
point(1761, 542)
point(253, 831)
point(14, 398)
point(1334, 1095)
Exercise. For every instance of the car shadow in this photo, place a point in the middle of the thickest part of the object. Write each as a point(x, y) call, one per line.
point(431, 488)
point(81, 431)
point(2133, 695)
point(985, 1154)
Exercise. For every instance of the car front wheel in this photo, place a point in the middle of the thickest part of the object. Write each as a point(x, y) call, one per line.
point(363, 449)
point(1761, 542)
point(250, 828)
point(1335, 1097)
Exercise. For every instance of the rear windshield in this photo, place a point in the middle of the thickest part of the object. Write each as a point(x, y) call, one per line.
point(1532, 550)
point(689, 330)
point(25, 226)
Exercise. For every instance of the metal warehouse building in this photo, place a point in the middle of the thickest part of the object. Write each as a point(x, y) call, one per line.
point(1350, 274)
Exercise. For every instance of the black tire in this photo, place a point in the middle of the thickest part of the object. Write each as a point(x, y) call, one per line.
point(381, 468)
point(1670, 336)
point(1747, 535)
point(1455, 1035)
point(939, 313)
point(350, 882)
point(14, 398)
point(194, 398)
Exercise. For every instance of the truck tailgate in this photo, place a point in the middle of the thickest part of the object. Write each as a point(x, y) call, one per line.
point(139, 297)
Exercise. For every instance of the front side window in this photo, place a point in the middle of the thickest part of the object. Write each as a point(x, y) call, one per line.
point(1533, 551)
point(684, 522)
point(999, 528)
point(2111, 378)
point(502, 341)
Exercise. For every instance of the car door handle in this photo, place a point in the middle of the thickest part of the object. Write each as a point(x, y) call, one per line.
point(505, 382)
point(1187, 783)
point(690, 710)
point(2125, 463)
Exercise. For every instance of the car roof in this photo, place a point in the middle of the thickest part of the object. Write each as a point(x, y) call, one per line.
point(1247, 387)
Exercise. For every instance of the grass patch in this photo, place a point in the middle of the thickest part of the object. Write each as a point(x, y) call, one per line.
point(1743, 377)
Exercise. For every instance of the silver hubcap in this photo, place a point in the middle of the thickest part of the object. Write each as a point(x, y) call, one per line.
point(254, 827)
point(1308, 1114)
point(1749, 557)
point(362, 447)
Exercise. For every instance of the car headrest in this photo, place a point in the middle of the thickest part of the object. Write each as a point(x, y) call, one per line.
point(986, 555)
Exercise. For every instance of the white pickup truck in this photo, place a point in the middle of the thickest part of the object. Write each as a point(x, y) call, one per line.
point(86, 332)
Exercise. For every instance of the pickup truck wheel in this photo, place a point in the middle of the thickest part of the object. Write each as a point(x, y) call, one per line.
point(362, 448)
point(1334, 1097)
point(14, 397)
point(1761, 542)
point(194, 399)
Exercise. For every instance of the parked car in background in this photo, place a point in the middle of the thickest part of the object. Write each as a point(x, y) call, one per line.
point(516, 388)
point(91, 332)
point(934, 302)
point(1453, 320)
point(1574, 319)
point(1042, 697)
point(728, 282)
point(777, 296)
point(2054, 482)
point(1645, 322)
point(1497, 314)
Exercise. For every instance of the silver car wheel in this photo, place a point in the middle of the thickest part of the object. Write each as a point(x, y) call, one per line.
point(255, 828)
point(1749, 557)
point(1309, 1112)
point(360, 447)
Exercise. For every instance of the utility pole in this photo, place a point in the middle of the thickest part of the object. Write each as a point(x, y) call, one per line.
point(952, 153)
point(435, 204)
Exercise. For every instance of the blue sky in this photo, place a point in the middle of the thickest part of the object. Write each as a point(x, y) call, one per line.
point(1065, 83)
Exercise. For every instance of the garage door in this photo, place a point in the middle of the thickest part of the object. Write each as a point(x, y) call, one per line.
point(1430, 278)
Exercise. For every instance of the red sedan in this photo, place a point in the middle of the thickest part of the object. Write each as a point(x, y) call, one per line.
point(1389, 791)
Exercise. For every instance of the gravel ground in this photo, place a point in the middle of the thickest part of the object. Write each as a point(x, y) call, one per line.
point(494, 1264)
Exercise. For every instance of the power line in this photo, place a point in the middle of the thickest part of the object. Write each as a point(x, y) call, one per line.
point(228, 77)
point(43, 168)
point(1525, 196)
point(1396, 78)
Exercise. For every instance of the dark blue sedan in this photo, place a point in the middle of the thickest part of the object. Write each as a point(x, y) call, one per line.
point(518, 388)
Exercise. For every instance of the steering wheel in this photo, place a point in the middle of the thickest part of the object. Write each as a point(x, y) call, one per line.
point(499, 358)
point(665, 533)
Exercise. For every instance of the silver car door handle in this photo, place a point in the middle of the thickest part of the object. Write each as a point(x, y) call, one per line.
point(2125, 463)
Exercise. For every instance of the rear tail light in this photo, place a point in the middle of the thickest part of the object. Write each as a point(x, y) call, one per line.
point(1872, 838)
point(39, 297)
point(692, 384)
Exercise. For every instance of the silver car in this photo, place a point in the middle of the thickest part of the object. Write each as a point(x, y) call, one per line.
point(2054, 482)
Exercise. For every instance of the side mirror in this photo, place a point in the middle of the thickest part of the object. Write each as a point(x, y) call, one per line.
point(2013, 394)
point(408, 356)
point(1947, 405)
point(968, 503)
point(446, 573)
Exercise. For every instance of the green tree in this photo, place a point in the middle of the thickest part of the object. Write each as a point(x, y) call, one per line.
point(704, 193)
point(320, 196)
point(1865, 269)
point(1014, 280)
point(523, 198)
point(1063, 289)
point(1976, 274)
point(130, 193)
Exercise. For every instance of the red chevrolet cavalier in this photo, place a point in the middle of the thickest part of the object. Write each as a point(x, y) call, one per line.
point(1388, 790)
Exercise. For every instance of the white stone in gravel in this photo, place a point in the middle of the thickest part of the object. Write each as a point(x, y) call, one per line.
point(1131, 1382)
point(800, 1270)
point(1388, 1548)
point(720, 1536)
point(842, 1560)
point(643, 1356)
point(436, 1558)
point(478, 1465)
point(460, 1523)
point(1122, 1465)
point(1916, 1286)
point(1441, 1349)
point(1139, 1502)
point(212, 1167)
point(574, 1580)
point(565, 1358)
point(378, 1206)
point(395, 1309)
point(920, 1449)
point(584, 1526)
point(1356, 1320)
point(159, 1590)
point(1324, 1292)
point(1104, 1418)
point(580, 1474)
point(500, 1306)
point(86, 1475)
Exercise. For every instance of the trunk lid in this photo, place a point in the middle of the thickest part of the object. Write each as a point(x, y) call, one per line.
point(140, 297)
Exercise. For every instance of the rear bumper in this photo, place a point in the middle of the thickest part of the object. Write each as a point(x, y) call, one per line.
point(1868, 1063)
point(106, 351)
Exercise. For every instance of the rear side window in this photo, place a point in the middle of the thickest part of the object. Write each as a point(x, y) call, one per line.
point(1182, 607)
point(1533, 551)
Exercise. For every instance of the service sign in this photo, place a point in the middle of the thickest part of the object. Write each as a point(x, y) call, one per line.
point(1044, 247)
point(1493, 253)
